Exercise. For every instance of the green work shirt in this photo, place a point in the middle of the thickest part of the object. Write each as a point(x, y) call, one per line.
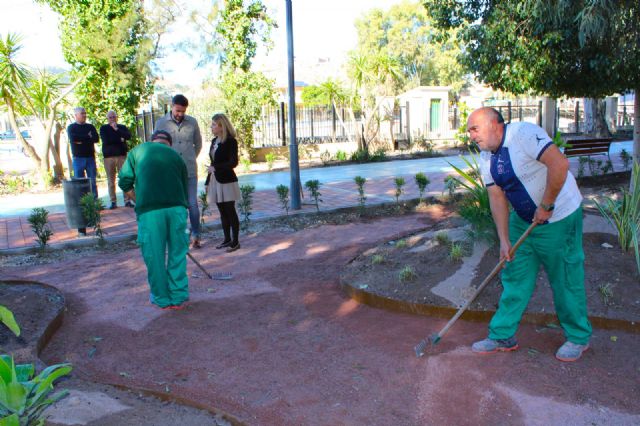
point(158, 175)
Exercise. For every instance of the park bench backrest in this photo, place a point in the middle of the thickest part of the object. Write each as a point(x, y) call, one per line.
point(587, 147)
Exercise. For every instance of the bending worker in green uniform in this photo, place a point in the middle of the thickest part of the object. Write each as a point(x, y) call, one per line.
point(155, 177)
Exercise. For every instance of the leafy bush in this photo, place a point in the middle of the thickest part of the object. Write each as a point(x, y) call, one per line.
point(314, 188)
point(341, 155)
point(450, 186)
point(624, 215)
point(582, 161)
point(475, 207)
point(407, 274)
point(270, 158)
point(23, 396)
point(422, 181)
point(91, 210)
point(377, 259)
point(325, 157)
point(245, 204)
point(360, 181)
point(456, 252)
point(443, 239)
point(380, 154)
point(246, 164)
point(283, 196)
point(399, 183)
point(626, 159)
point(360, 156)
point(39, 220)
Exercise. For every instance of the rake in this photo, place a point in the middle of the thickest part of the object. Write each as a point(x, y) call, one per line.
point(421, 348)
point(217, 276)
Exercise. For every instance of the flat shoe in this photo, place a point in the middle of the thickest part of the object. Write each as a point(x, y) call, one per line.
point(233, 248)
point(223, 245)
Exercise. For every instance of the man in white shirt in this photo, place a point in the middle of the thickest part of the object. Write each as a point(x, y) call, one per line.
point(521, 166)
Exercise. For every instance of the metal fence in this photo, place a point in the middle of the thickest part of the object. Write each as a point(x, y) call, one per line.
point(313, 125)
point(145, 123)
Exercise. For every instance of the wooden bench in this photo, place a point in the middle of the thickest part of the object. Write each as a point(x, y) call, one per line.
point(586, 147)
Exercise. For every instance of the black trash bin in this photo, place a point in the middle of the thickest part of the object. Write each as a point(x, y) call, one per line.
point(74, 190)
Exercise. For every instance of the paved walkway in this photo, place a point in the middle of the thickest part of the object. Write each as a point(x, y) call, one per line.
point(338, 190)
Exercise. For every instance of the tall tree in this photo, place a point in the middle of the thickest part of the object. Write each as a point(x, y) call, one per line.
point(240, 27)
point(579, 48)
point(36, 95)
point(107, 43)
point(404, 33)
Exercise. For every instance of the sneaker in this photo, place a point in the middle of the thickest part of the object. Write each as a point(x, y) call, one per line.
point(113, 206)
point(129, 204)
point(232, 247)
point(196, 244)
point(570, 351)
point(490, 346)
point(223, 244)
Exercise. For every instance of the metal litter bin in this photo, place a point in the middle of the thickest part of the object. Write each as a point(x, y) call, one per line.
point(74, 190)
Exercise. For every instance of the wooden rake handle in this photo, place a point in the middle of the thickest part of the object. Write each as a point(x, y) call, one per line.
point(486, 281)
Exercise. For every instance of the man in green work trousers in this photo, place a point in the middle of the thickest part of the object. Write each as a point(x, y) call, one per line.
point(522, 167)
point(155, 177)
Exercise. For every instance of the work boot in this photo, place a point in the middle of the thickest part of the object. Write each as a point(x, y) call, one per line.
point(490, 346)
point(570, 351)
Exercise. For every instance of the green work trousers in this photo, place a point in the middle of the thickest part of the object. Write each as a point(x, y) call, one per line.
point(164, 241)
point(558, 247)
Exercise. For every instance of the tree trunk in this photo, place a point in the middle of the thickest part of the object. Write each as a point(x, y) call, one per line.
point(58, 168)
point(594, 122)
point(346, 131)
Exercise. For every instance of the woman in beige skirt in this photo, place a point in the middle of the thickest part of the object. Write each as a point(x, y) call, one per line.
point(222, 183)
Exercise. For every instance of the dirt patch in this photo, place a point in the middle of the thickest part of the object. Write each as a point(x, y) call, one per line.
point(35, 307)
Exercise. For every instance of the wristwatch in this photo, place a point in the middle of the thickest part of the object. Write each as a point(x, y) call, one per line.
point(547, 207)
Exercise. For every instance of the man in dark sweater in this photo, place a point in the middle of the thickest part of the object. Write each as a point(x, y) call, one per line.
point(114, 150)
point(82, 137)
point(155, 177)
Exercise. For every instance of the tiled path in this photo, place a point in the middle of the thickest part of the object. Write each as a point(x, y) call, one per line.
point(16, 233)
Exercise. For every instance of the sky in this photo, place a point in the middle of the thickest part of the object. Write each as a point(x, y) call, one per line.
point(322, 29)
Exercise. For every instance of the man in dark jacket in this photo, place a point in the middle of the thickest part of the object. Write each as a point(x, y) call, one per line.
point(82, 137)
point(114, 150)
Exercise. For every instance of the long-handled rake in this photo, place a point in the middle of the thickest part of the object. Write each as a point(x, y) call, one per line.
point(421, 347)
point(216, 276)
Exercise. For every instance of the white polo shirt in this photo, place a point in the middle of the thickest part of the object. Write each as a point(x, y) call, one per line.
point(516, 168)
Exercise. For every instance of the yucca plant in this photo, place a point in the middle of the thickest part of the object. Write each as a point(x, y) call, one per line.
point(23, 396)
point(313, 186)
point(422, 181)
point(399, 183)
point(245, 204)
point(204, 204)
point(624, 214)
point(7, 318)
point(283, 196)
point(360, 181)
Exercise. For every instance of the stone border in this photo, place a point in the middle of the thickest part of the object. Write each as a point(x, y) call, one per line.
point(448, 312)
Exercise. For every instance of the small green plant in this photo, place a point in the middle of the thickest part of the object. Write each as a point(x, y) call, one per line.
point(399, 183)
point(204, 205)
point(39, 221)
point(245, 204)
point(246, 164)
point(341, 155)
point(607, 167)
point(401, 243)
point(407, 274)
point(7, 318)
point(450, 185)
point(624, 214)
point(283, 196)
point(594, 166)
point(270, 158)
point(582, 162)
point(91, 210)
point(559, 142)
point(325, 157)
point(626, 159)
point(422, 181)
point(360, 156)
point(24, 396)
point(314, 188)
point(443, 239)
point(360, 181)
point(377, 259)
point(606, 290)
point(456, 252)
point(380, 154)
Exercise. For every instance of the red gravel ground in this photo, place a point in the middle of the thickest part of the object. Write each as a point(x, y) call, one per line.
point(281, 345)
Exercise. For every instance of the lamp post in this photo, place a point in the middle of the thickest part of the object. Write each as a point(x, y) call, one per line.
point(294, 167)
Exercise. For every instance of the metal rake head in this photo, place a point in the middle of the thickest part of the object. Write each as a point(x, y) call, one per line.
point(421, 348)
